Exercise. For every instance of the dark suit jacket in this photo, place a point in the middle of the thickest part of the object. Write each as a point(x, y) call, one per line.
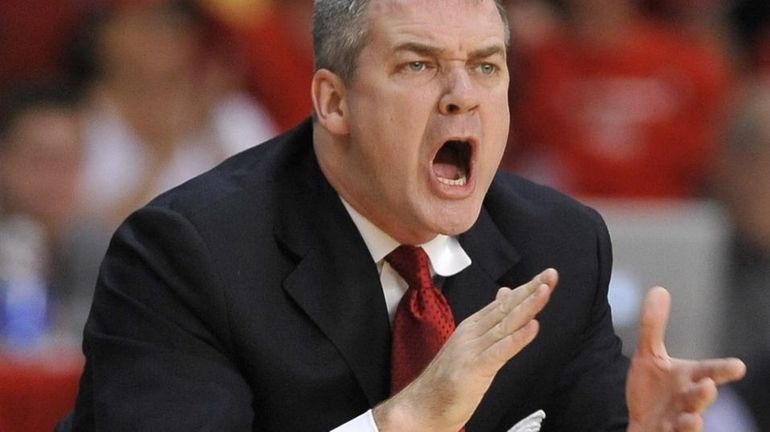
point(246, 300)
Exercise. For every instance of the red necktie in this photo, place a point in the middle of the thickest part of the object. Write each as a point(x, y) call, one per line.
point(423, 319)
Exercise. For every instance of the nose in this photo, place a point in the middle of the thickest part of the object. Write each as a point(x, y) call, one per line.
point(459, 94)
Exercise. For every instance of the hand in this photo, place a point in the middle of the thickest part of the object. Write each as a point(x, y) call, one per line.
point(666, 394)
point(450, 388)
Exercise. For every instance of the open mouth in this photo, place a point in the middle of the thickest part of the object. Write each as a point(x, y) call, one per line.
point(452, 163)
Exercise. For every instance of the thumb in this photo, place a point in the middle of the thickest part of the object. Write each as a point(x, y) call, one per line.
point(652, 323)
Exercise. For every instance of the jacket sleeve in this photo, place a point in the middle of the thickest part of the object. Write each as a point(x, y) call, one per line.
point(158, 354)
point(591, 391)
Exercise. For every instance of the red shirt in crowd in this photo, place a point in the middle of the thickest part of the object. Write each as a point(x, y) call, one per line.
point(637, 117)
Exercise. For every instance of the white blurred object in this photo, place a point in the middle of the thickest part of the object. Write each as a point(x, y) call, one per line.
point(625, 296)
point(728, 413)
point(680, 245)
point(531, 423)
point(23, 288)
point(22, 247)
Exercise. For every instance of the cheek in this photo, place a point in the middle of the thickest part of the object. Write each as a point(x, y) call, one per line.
point(496, 133)
point(390, 134)
point(407, 107)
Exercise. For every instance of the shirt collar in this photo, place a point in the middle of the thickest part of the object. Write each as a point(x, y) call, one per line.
point(447, 256)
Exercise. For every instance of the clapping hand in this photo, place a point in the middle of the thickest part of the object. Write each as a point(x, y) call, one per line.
point(445, 395)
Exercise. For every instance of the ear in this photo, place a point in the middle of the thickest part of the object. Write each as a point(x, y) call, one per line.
point(329, 102)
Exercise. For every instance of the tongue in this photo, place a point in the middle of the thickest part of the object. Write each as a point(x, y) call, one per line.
point(447, 163)
point(447, 171)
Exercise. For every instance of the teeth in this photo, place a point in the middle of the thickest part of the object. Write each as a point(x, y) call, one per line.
point(459, 182)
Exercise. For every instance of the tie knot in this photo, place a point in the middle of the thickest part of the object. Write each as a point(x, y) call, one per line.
point(411, 262)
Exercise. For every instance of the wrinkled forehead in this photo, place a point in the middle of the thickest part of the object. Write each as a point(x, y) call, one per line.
point(445, 8)
point(461, 19)
point(430, 4)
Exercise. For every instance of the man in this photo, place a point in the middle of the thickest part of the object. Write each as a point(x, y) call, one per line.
point(743, 179)
point(260, 296)
point(48, 258)
point(40, 151)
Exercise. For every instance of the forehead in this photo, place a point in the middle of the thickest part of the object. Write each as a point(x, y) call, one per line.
point(55, 126)
point(451, 24)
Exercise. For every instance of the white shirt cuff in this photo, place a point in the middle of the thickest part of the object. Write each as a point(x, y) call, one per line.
point(362, 423)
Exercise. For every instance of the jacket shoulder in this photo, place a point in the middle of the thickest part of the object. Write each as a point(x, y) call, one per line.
point(254, 176)
point(512, 197)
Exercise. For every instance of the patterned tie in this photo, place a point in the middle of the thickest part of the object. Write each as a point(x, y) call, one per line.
point(423, 320)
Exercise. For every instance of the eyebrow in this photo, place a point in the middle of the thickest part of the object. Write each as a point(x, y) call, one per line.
point(433, 51)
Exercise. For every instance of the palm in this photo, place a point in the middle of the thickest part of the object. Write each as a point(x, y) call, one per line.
point(664, 393)
point(660, 389)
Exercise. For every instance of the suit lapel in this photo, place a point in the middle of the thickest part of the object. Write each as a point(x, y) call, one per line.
point(492, 256)
point(335, 281)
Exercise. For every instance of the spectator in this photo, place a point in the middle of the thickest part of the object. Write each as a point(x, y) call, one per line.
point(704, 18)
point(164, 104)
point(611, 103)
point(41, 244)
point(276, 48)
point(743, 183)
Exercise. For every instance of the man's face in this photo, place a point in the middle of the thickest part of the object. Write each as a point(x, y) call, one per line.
point(428, 116)
point(39, 171)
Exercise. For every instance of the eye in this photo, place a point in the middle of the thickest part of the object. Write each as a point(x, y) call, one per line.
point(487, 68)
point(416, 66)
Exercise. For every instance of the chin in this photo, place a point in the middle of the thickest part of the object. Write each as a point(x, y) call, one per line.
point(460, 227)
point(457, 219)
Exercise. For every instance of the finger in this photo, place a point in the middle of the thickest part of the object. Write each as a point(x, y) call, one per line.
point(524, 311)
point(507, 300)
point(504, 349)
point(689, 422)
point(502, 292)
point(701, 395)
point(547, 277)
point(652, 323)
point(721, 371)
point(515, 331)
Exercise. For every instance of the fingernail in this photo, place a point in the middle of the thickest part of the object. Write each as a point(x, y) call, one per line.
point(544, 274)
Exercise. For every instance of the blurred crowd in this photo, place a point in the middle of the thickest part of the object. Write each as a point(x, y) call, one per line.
point(107, 103)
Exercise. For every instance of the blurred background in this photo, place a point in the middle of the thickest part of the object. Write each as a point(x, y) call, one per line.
point(657, 112)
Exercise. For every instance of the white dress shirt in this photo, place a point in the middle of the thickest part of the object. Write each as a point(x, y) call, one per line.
point(446, 257)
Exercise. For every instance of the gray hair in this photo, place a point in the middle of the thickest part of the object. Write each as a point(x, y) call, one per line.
point(340, 32)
